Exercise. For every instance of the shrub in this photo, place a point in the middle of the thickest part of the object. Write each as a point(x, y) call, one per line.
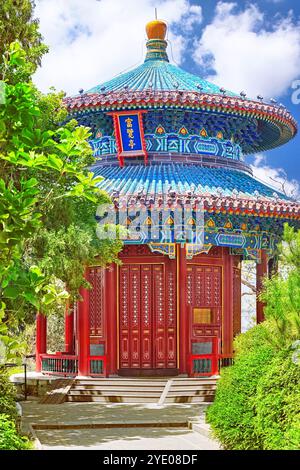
point(7, 396)
point(277, 404)
point(9, 437)
point(257, 402)
point(232, 413)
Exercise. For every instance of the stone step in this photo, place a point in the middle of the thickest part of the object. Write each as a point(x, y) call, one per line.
point(193, 387)
point(57, 392)
point(118, 388)
point(189, 399)
point(143, 390)
point(111, 399)
point(192, 393)
point(135, 378)
point(188, 382)
point(115, 393)
point(136, 383)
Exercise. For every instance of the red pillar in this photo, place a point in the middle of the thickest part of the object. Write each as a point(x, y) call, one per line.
point(261, 272)
point(110, 289)
point(83, 333)
point(228, 305)
point(273, 267)
point(69, 329)
point(183, 310)
point(41, 339)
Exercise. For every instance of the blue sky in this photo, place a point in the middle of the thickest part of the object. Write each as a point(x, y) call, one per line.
point(285, 157)
point(241, 45)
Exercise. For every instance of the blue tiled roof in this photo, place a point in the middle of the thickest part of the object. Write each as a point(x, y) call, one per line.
point(160, 178)
point(158, 75)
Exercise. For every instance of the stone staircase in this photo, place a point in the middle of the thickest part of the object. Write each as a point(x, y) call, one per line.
point(143, 390)
point(198, 390)
point(57, 392)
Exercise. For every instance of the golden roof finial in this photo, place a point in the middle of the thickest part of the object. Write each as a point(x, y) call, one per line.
point(156, 29)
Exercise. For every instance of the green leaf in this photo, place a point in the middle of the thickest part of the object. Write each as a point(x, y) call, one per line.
point(11, 292)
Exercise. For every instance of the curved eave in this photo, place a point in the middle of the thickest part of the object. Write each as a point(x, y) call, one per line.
point(231, 206)
point(217, 190)
point(221, 205)
point(267, 114)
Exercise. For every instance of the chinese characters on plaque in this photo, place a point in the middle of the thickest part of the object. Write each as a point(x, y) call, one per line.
point(129, 134)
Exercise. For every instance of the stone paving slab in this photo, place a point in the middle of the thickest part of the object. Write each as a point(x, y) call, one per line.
point(117, 426)
point(66, 413)
point(125, 439)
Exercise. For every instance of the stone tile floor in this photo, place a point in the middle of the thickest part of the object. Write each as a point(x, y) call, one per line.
point(126, 438)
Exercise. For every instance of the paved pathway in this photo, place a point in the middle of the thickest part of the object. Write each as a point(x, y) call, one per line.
point(66, 415)
point(125, 439)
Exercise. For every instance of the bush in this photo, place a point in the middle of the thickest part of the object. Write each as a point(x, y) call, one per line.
point(257, 404)
point(9, 437)
point(232, 413)
point(277, 404)
point(7, 396)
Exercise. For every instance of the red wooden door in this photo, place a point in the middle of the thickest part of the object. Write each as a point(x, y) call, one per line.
point(146, 318)
point(204, 295)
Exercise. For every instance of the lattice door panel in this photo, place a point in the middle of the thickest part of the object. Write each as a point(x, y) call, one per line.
point(96, 302)
point(204, 296)
point(147, 317)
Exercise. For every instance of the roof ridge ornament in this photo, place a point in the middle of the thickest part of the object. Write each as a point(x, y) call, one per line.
point(156, 45)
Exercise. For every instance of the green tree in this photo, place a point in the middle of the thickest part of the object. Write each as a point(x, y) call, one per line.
point(17, 23)
point(281, 293)
point(48, 199)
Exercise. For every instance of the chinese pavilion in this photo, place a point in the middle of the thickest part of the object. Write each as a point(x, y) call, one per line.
point(170, 147)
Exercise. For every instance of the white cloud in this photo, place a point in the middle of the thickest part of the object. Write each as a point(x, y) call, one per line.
point(275, 177)
point(245, 55)
point(91, 41)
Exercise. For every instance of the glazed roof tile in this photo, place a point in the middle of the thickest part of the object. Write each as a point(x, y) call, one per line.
point(161, 76)
point(218, 189)
point(159, 178)
point(157, 84)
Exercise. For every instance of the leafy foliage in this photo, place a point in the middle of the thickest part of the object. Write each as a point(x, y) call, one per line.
point(232, 413)
point(257, 401)
point(277, 404)
point(282, 293)
point(7, 396)
point(18, 24)
point(10, 439)
point(48, 199)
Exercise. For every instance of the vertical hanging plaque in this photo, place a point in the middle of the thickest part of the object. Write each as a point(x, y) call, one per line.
point(129, 132)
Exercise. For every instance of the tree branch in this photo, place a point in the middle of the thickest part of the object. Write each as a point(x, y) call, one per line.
point(249, 285)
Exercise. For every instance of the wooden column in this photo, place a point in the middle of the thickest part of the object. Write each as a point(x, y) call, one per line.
point(261, 272)
point(83, 333)
point(228, 304)
point(69, 329)
point(183, 309)
point(110, 286)
point(41, 339)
